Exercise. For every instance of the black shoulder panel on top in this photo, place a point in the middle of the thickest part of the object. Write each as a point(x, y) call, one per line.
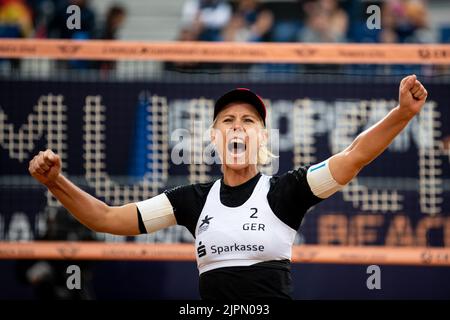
point(290, 196)
point(187, 202)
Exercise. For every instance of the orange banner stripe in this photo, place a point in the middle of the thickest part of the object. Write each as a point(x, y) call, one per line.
point(227, 51)
point(185, 252)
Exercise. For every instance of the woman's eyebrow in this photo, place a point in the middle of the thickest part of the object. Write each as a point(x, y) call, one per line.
point(243, 116)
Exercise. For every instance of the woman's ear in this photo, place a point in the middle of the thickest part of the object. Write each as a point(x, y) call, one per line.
point(212, 135)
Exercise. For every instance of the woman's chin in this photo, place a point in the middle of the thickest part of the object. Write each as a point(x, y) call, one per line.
point(236, 163)
point(236, 167)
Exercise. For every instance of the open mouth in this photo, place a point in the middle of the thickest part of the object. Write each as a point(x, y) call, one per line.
point(236, 146)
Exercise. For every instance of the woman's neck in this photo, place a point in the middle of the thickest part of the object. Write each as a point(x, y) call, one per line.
point(234, 178)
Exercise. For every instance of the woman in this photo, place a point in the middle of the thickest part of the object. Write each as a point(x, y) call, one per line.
point(244, 224)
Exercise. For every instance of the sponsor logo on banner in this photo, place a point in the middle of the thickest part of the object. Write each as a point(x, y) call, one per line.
point(434, 53)
point(68, 251)
point(69, 48)
point(305, 52)
point(429, 257)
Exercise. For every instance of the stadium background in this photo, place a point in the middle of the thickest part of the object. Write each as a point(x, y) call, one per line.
point(112, 123)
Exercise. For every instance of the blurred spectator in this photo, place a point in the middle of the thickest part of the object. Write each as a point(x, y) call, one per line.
point(48, 277)
point(43, 11)
point(206, 18)
point(325, 22)
point(251, 22)
point(288, 20)
point(388, 33)
point(58, 25)
point(115, 18)
point(405, 21)
point(58, 29)
point(16, 19)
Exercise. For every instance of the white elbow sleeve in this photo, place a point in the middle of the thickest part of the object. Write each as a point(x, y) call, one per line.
point(157, 213)
point(321, 181)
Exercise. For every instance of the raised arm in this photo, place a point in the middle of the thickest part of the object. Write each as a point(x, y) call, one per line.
point(345, 165)
point(93, 213)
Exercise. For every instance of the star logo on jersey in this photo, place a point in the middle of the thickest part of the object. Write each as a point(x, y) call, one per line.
point(206, 221)
point(205, 224)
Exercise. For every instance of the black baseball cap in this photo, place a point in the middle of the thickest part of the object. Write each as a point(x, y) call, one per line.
point(244, 95)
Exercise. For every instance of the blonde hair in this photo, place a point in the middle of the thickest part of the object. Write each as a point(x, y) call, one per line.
point(265, 155)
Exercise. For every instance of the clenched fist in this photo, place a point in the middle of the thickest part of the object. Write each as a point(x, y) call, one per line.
point(412, 95)
point(45, 167)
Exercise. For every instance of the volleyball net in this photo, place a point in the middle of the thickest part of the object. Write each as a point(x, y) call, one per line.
point(130, 119)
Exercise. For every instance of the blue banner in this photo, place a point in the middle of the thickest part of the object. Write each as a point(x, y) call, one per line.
point(118, 140)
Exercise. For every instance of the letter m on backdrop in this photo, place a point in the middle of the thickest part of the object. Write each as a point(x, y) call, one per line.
point(48, 120)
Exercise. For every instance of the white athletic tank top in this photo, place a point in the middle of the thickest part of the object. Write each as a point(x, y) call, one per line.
point(243, 235)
